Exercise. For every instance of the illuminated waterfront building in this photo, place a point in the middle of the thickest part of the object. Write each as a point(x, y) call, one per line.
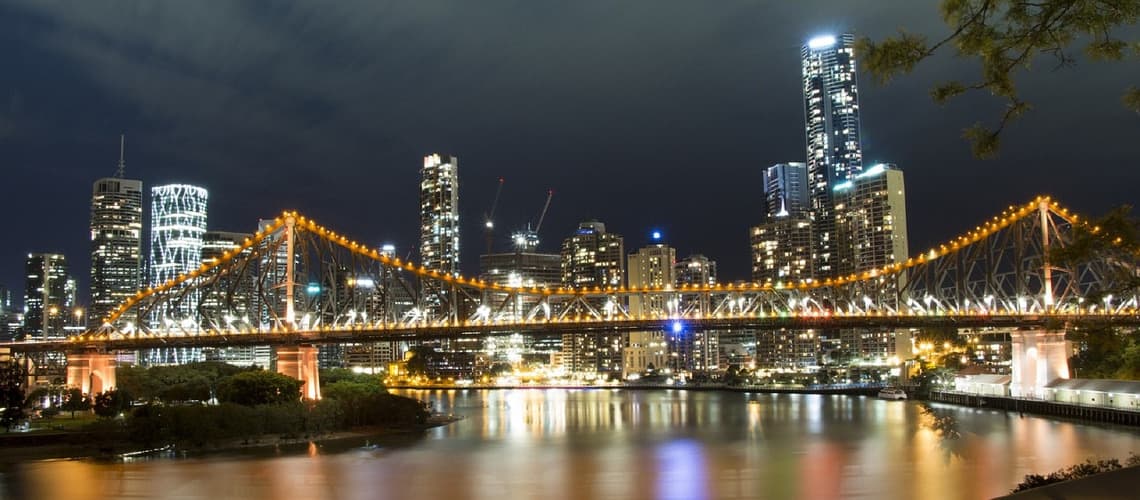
point(834, 152)
point(439, 227)
point(49, 296)
point(696, 270)
point(231, 300)
point(116, 243)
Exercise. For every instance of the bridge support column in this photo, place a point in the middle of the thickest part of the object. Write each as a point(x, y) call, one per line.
point(91, 372)
point(1039, 357)
point(300, 362)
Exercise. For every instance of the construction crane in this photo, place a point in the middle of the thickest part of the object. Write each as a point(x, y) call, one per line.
point(488, 218)
point(526, 240)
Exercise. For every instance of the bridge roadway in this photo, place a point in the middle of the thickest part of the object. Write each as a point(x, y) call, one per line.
point(89, 342)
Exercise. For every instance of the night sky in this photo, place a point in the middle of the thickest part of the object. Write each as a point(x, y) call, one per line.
point(644, 114)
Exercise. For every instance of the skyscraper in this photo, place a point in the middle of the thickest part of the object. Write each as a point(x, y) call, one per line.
point(49, 296)
point(834, 152)
point(116, 242)
point(439, 226)
point(177, 225)
point(696, 270)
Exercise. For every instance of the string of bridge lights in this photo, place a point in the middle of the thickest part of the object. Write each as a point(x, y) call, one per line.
point(1009, 216)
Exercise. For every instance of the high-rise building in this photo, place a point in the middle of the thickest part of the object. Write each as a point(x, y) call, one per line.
point(116, 243)
point(6, 313)
point(786, 190)
point(834, 151)
point(439, 226)
point(696, 270)
point(653, 266)
point(49, 296)
point(591, 257)
point(646, 352)
point(871, 219)
point(230, 298)
point(781, 250)
point(177, 225)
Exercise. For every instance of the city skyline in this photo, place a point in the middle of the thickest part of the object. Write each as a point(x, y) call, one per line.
point(619, 201)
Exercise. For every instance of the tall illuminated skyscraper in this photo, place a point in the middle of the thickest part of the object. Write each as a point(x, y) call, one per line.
point(177, 226)
point(834, 152)
point(786, 190)
point(49, 296)
point(116, 242)
point(871, 217)
point(439, 224)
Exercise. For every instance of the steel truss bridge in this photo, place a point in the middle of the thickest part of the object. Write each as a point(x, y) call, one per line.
point(297, 281)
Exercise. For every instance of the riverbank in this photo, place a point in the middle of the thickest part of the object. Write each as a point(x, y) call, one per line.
point(1037, 407)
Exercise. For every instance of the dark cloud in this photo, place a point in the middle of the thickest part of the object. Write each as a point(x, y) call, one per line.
point(643, 114)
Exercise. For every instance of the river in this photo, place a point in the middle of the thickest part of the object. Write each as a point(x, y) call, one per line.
point(603, 443)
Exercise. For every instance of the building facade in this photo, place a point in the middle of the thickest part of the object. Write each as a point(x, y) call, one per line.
point(782, 250)
point(177, 225)
point(696, 270)
point(116, 245)
point(654, 266)
point(871, 219)
point(786, 190)
point(439, 227)
point(834, 151)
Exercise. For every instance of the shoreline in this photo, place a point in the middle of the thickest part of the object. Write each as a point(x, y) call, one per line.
point(845, 390)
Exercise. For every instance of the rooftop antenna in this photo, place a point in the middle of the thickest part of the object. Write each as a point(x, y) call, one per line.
point(122, 172)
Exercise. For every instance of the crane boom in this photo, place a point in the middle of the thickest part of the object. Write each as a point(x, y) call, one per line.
point(488, 219)
point(549, 195)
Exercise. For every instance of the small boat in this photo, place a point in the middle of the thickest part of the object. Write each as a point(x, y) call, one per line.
point(892, 393)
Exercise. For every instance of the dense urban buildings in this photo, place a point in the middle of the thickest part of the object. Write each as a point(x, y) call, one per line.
point(439, 225)
point(696, 270)
point(653, 266)
point(49, 296)
point(834, 150)
point(116, 243)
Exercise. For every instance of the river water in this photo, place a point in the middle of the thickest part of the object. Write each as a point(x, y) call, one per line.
point(602, 443)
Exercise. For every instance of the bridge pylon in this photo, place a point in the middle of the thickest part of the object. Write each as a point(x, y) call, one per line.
point(91, 371)
point(300, 362)
point(1040, 356)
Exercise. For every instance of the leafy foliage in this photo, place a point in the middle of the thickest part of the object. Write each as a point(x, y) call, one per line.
point(111, 403)
point(1086, 469)
point(13, 378)
point(1105, 353)
point(1005, 37)
point(259, 387)
point(75, 401)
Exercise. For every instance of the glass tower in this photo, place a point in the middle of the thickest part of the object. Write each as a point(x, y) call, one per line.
point(116, 243)
point(834, 153)
point(786, 190)
point(49, 296)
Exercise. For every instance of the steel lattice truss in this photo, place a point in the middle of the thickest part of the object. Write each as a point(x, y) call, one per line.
point(297, 278)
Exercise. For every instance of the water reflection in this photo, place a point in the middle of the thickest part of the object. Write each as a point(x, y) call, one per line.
point(626, 444)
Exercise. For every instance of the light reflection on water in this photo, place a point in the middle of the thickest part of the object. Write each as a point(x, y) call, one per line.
point(565, 443)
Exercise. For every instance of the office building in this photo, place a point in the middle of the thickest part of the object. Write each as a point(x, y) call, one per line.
point(177, 225)
point(439, 228)
point(49, 296)
point(645, 353)
point(116, 243)
point(834, 151)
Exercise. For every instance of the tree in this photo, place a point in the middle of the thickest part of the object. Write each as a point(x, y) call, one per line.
point(259, 388)
point(111, 403)
point(1005, 36)
point(75, 401)
point(13, 379)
